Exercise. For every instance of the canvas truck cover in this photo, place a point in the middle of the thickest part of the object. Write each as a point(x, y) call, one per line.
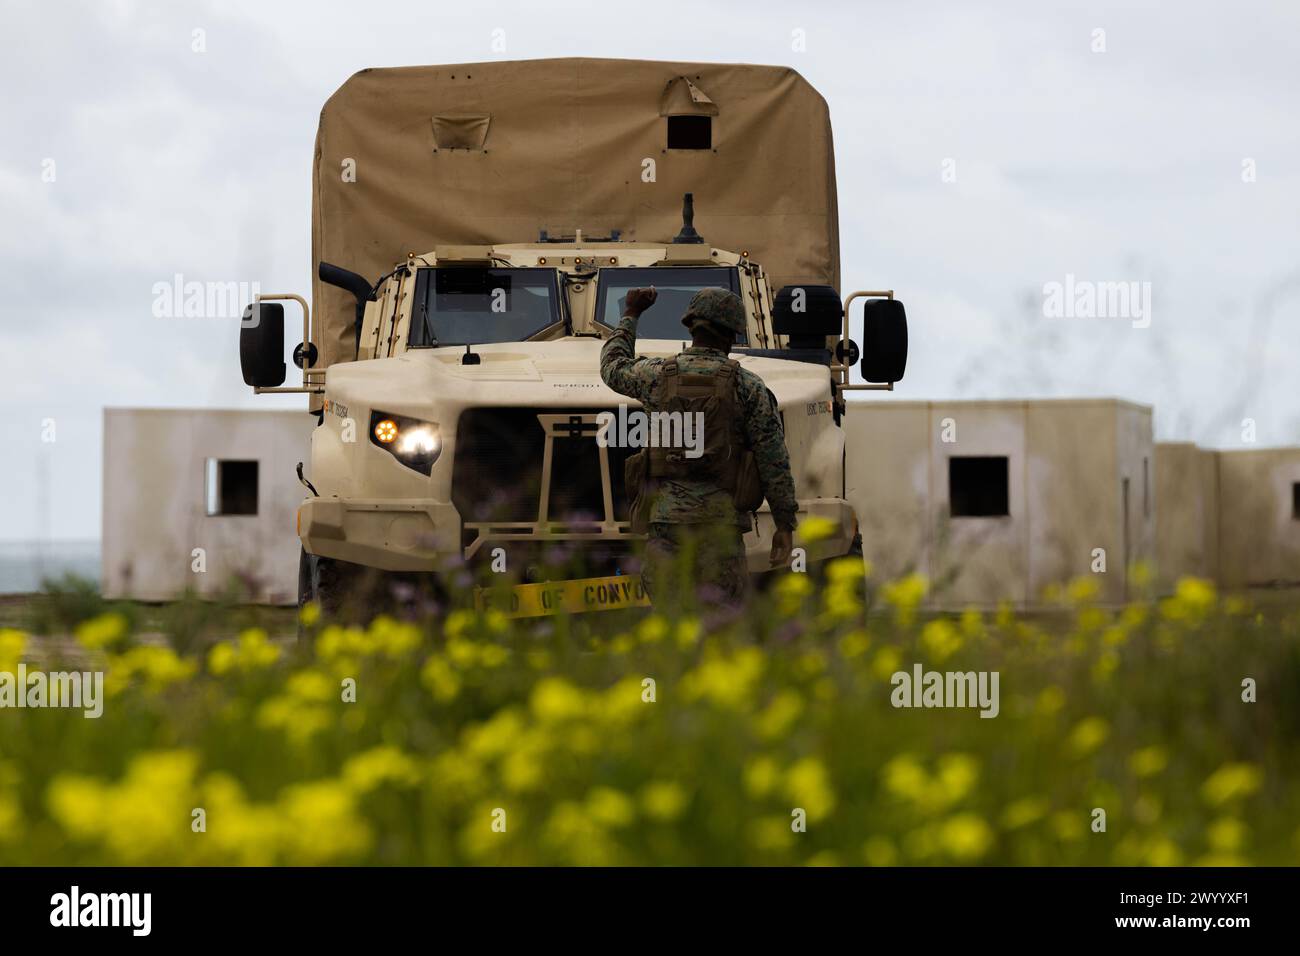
point(411, 158)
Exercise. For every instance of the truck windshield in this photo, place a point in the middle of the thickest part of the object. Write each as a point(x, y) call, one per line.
point(474, 305)
point(675, 287)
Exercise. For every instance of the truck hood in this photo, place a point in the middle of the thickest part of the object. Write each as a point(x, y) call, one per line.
point(543, 374)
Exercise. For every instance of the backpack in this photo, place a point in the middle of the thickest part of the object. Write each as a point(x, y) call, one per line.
point(726, 458)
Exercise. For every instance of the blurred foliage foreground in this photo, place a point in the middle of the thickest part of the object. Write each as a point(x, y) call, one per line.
point(684, 738)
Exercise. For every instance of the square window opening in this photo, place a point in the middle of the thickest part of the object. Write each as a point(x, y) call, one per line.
point(690, 132)
point(230, 487)
point(978, 486)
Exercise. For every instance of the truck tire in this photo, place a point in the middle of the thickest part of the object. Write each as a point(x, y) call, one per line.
point(334, 586)
point(304, 588)
point(349, 593)
point(326, 581)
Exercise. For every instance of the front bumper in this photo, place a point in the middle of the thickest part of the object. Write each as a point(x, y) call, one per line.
point(409, 534)
point(422, 534)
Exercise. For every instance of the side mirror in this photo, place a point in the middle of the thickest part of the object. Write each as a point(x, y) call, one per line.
point(261, 345)
point(884, 341)
point(808, 314)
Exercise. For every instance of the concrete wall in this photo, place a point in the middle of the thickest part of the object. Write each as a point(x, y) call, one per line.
point(978, 560)
point(1067, 462)
point(1259, 534)
point(1074, 501)
point(155, 509)
point(1136, 464)
point(1187, 518)
point(1227, 516)
point(887, 472)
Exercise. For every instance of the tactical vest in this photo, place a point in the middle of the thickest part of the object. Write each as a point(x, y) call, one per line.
point(726, 460)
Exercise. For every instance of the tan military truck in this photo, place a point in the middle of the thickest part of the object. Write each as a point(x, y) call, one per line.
point(477, 229)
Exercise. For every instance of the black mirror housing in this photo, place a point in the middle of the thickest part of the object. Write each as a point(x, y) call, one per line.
point(812, 311)
point(884, 341)
point(261, 345)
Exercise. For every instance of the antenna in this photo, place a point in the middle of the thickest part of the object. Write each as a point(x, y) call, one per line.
point(688, 233)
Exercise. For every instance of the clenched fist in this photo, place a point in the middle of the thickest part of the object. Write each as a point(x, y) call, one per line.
point(638, 300)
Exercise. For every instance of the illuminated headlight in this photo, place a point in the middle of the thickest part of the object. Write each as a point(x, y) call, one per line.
point(414, 443)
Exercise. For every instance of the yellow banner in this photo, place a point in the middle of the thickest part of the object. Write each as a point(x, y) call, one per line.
point(565, 597)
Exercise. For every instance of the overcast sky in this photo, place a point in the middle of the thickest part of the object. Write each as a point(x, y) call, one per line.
point(982, 154)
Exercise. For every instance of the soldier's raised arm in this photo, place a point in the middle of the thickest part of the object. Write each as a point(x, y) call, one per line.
point(620, 369)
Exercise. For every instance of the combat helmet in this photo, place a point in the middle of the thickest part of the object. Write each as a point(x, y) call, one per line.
point(721, 307)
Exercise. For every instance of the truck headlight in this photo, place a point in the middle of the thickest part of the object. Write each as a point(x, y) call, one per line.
point(414, 443)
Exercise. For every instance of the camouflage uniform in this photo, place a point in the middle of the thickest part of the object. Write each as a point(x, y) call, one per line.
point(696, 516)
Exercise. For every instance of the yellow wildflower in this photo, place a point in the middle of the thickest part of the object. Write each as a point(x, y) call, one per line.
point(106, 630)
point(158, 666)
point(494, 736)
point(785, 708)
point(771, 833)
point(1232, 781)
point(323, 824)
point(688, 632)
point(965, 836)
point(1226, 834)
point(252, 651)
point(886, 662)
point(1088, 734)
point(816, 528)
point(1193, 599)
point(309, 614)
point(554, 699)
point(394, 639)
point(1148, 761)
point(905, 595)
point(440, 678)
point(808, 785)
point(790, 591)
point(1082, 590)
point(610, 807)
point(12, 645)
point(725, 680)
point(653, 629)
point(879, 851)
point(377, 766)
point(663, 800)
point(760, 776)
point(848, 571)
point(940, 639)
point(1023, 812)
point(956, 775)
point(1050, 700)
point(854, 644)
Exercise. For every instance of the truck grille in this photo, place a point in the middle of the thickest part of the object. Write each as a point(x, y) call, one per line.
point(497, 475)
